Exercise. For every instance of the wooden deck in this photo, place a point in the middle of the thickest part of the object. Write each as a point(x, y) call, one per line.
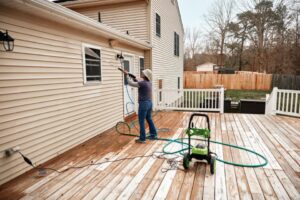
point(276, 137)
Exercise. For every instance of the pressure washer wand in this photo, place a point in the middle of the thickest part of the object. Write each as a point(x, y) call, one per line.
point(129, 74)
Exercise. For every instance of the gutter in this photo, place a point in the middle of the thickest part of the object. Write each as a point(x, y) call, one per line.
point(87, 22)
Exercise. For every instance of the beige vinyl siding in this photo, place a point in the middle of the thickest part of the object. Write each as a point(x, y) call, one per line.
point(44, 106)
point(165, 64)
point(130, 17)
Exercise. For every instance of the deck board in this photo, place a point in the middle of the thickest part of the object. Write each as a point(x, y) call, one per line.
point(276, 137)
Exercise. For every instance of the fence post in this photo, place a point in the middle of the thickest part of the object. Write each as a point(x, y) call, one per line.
point(221, 100)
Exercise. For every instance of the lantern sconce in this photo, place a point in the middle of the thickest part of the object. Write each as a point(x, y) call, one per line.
point(120, 57)
point(8, 41)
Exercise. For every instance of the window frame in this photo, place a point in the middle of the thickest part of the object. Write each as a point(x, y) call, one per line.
point(85, 82)
point(156, 33)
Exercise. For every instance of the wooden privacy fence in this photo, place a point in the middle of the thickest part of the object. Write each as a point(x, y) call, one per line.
point(242, 81)
point(286, 81)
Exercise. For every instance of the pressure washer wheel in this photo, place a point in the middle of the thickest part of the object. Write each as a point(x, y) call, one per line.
point(186, 161)
point(212, 164)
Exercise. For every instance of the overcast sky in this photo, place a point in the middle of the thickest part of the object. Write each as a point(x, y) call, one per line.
point(193, 11)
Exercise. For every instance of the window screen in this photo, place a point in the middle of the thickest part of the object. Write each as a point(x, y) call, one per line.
point(92, 64)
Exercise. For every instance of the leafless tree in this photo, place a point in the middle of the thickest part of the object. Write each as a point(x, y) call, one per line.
point(218, 19)
point(192, 41)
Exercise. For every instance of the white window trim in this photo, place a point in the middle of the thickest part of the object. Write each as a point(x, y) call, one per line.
point(85, 82)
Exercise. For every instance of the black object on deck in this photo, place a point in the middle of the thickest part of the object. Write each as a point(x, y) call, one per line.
point(252, 106)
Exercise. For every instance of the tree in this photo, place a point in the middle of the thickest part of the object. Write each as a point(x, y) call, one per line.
point(261, 21)
point(192, 38)
point(219, 19)
point(240, 31)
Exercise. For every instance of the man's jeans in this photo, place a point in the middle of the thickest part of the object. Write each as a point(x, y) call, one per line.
point(145, 111)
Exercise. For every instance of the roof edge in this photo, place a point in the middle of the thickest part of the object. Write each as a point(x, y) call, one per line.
point(87, 22)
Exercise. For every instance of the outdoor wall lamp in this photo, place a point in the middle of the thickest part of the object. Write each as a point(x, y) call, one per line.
point(8, 41)
point(120, 57)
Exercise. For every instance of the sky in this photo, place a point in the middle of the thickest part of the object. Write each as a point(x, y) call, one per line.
point(193, 11)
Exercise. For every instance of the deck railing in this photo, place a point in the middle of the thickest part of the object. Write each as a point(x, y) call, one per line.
point(190, 99)
point(285, 102)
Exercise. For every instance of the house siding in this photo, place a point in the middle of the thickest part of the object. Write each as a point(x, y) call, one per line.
point(165, 64)
point(45, 108)
point(131, 17)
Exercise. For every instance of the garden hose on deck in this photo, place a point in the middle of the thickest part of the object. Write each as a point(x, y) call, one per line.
point(186, 146)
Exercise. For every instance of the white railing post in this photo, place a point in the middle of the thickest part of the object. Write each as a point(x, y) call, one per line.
point(274, 101)
point(221, 103)
point(267, 106)
point(271, 102)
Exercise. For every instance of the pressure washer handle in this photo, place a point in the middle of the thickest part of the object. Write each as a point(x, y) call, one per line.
point(129, 74)
point(200, 115)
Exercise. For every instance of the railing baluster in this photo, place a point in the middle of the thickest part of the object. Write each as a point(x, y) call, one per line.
point(215, 100)
point(193, 99)
point(209, 101)
point(199, 99)
point(292, 102)
point(196, 99)
point(287, 102)
point(278, 100)
point(283, 101)
point(189, 98)
point(205, 99)
point(296, 103)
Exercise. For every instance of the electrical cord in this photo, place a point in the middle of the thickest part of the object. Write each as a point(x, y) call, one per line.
point(172, 162)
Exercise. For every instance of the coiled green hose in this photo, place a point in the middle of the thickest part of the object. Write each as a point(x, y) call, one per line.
point(185, 147)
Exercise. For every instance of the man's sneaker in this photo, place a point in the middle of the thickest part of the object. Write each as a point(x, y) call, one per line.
point(140, 141)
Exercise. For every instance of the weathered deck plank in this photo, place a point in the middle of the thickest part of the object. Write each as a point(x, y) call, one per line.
point(276, 137)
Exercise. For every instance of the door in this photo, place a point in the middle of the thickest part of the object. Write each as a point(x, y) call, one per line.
point(129, 107)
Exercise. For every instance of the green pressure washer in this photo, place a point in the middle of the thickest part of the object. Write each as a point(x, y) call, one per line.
point(202, 150)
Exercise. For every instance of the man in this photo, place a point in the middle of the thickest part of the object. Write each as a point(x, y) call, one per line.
point(145, 103)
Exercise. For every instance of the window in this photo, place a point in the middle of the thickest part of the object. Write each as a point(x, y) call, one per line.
point(92, 64)
point(176, 44)
point(142, 65)
point(178, 83)
point(158, 30)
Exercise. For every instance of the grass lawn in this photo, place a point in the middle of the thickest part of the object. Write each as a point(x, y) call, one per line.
point(236, 95)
